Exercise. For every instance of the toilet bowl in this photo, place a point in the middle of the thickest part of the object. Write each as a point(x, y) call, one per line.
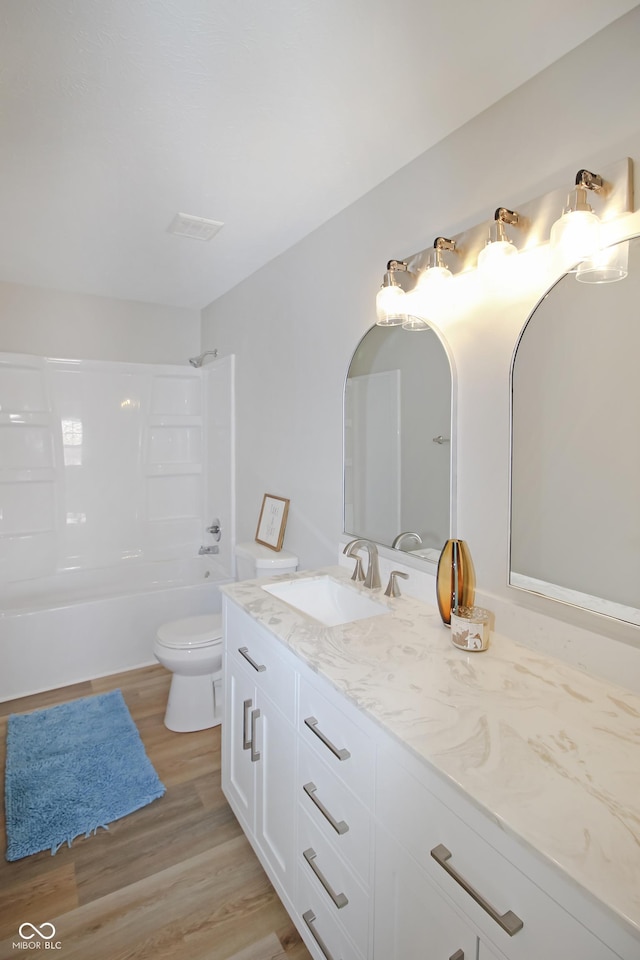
point(192, 649)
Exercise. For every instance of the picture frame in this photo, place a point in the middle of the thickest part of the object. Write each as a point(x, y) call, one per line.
point(272, 521)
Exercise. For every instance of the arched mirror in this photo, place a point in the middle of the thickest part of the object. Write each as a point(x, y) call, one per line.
point(575, 454)
point(398, 441)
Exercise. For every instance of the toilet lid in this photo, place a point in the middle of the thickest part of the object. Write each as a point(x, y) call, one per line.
point(191, 632)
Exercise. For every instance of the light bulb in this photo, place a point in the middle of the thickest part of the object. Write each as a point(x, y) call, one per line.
point(494, 257)
point(576, 235)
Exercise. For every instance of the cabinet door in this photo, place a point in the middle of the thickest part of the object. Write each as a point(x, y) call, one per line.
point(275, 747)
point(412, 921)
point(238, 767)
point(485, 953)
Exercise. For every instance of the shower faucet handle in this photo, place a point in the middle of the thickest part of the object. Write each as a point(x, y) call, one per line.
point(215, 529)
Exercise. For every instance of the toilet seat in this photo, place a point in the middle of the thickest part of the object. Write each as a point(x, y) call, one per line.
point(191, 633)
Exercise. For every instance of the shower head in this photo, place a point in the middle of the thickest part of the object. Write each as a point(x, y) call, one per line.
point(198, 361)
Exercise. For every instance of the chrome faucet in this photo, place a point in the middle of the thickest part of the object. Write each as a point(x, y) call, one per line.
point(372, 576)
point(399, 540)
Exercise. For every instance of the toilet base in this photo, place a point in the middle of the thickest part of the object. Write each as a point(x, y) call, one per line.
point(195, 703)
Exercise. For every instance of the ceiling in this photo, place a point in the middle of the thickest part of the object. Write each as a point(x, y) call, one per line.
point(270, 115)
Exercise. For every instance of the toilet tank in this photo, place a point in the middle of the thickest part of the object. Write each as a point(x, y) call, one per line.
point(255, 560)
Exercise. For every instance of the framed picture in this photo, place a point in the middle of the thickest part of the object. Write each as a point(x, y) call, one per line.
point(273, 520)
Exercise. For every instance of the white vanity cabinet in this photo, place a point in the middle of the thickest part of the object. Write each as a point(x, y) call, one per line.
point(375, 854)
point(444, 840)
point(259, 744)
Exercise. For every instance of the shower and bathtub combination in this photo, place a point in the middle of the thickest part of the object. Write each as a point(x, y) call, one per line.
point(110, 474)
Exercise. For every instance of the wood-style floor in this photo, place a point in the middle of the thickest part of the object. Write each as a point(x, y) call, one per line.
point(177, 879)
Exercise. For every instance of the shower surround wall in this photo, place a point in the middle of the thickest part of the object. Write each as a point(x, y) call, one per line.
point(109, 474)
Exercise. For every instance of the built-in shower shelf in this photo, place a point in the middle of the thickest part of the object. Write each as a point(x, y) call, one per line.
point(173, 469)
point(23, 418)
point(181, 420)
point(27, 475)
point(27, 534)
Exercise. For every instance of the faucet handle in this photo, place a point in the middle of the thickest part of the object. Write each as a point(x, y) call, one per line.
point(215, 529)
point(393, 590)
point(358, 572)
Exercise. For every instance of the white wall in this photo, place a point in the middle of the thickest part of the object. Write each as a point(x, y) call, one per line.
point(294, 324)
point(51, 323)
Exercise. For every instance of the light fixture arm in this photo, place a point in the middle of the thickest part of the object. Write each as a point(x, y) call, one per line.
point(394, 266)
point(435, 258)
point(501, 216)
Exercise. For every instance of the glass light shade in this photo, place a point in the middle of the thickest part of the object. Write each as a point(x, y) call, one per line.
point(495, 255)
point(606, 266)
point(575, 237)
point(415, 324)
point(391, 308)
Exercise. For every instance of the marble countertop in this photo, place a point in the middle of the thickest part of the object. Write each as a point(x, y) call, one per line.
point(550, 752)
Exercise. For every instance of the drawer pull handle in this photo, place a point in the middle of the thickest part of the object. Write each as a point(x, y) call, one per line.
point(340, 753)
point(255, 754)
point(244, 651)
point(339, 899)
point(339, 826)
point(508, 921)
point(309, 918)
point(246, 743)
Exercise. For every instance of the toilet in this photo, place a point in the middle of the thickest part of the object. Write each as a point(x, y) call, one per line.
point(192, 648)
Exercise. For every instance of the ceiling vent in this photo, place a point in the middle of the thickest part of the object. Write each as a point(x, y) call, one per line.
point(196, 228)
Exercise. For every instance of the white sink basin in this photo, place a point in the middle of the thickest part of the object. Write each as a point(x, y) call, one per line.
point(326, 600)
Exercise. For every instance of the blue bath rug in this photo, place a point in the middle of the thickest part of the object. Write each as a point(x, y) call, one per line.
point(71, 769)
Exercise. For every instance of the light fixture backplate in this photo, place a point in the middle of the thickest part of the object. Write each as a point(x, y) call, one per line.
point(536, 219)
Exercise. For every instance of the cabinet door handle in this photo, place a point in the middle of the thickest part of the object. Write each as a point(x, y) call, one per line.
point(341, 753)
point(508, 921)
point(309, 918)
point(255, 754)
point(310, 790)
point(245, 707)
point(339, 899)
point(244, 651)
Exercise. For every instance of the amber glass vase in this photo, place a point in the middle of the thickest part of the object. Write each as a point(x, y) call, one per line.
point(456, 582)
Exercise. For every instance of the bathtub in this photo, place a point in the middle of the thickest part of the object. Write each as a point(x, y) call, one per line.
point(83, 624)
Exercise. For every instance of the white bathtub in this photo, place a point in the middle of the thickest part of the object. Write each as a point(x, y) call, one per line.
point(83, 624)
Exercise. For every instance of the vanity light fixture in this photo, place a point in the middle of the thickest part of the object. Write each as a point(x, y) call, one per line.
point(498, 248)
point(391, 300)
point(576, 235)
point(427, 287)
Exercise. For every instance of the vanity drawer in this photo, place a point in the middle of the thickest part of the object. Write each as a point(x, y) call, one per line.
point(338, 740)
point(333, 882)
point(442, 843)
point(336, 811)
point(249, 644)
point(324, 934)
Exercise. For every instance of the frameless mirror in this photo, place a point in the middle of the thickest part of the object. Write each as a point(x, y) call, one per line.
point(575, 446)
point(398, 441)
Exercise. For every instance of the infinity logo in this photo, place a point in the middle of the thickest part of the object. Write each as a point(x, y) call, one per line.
point(38, 930)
